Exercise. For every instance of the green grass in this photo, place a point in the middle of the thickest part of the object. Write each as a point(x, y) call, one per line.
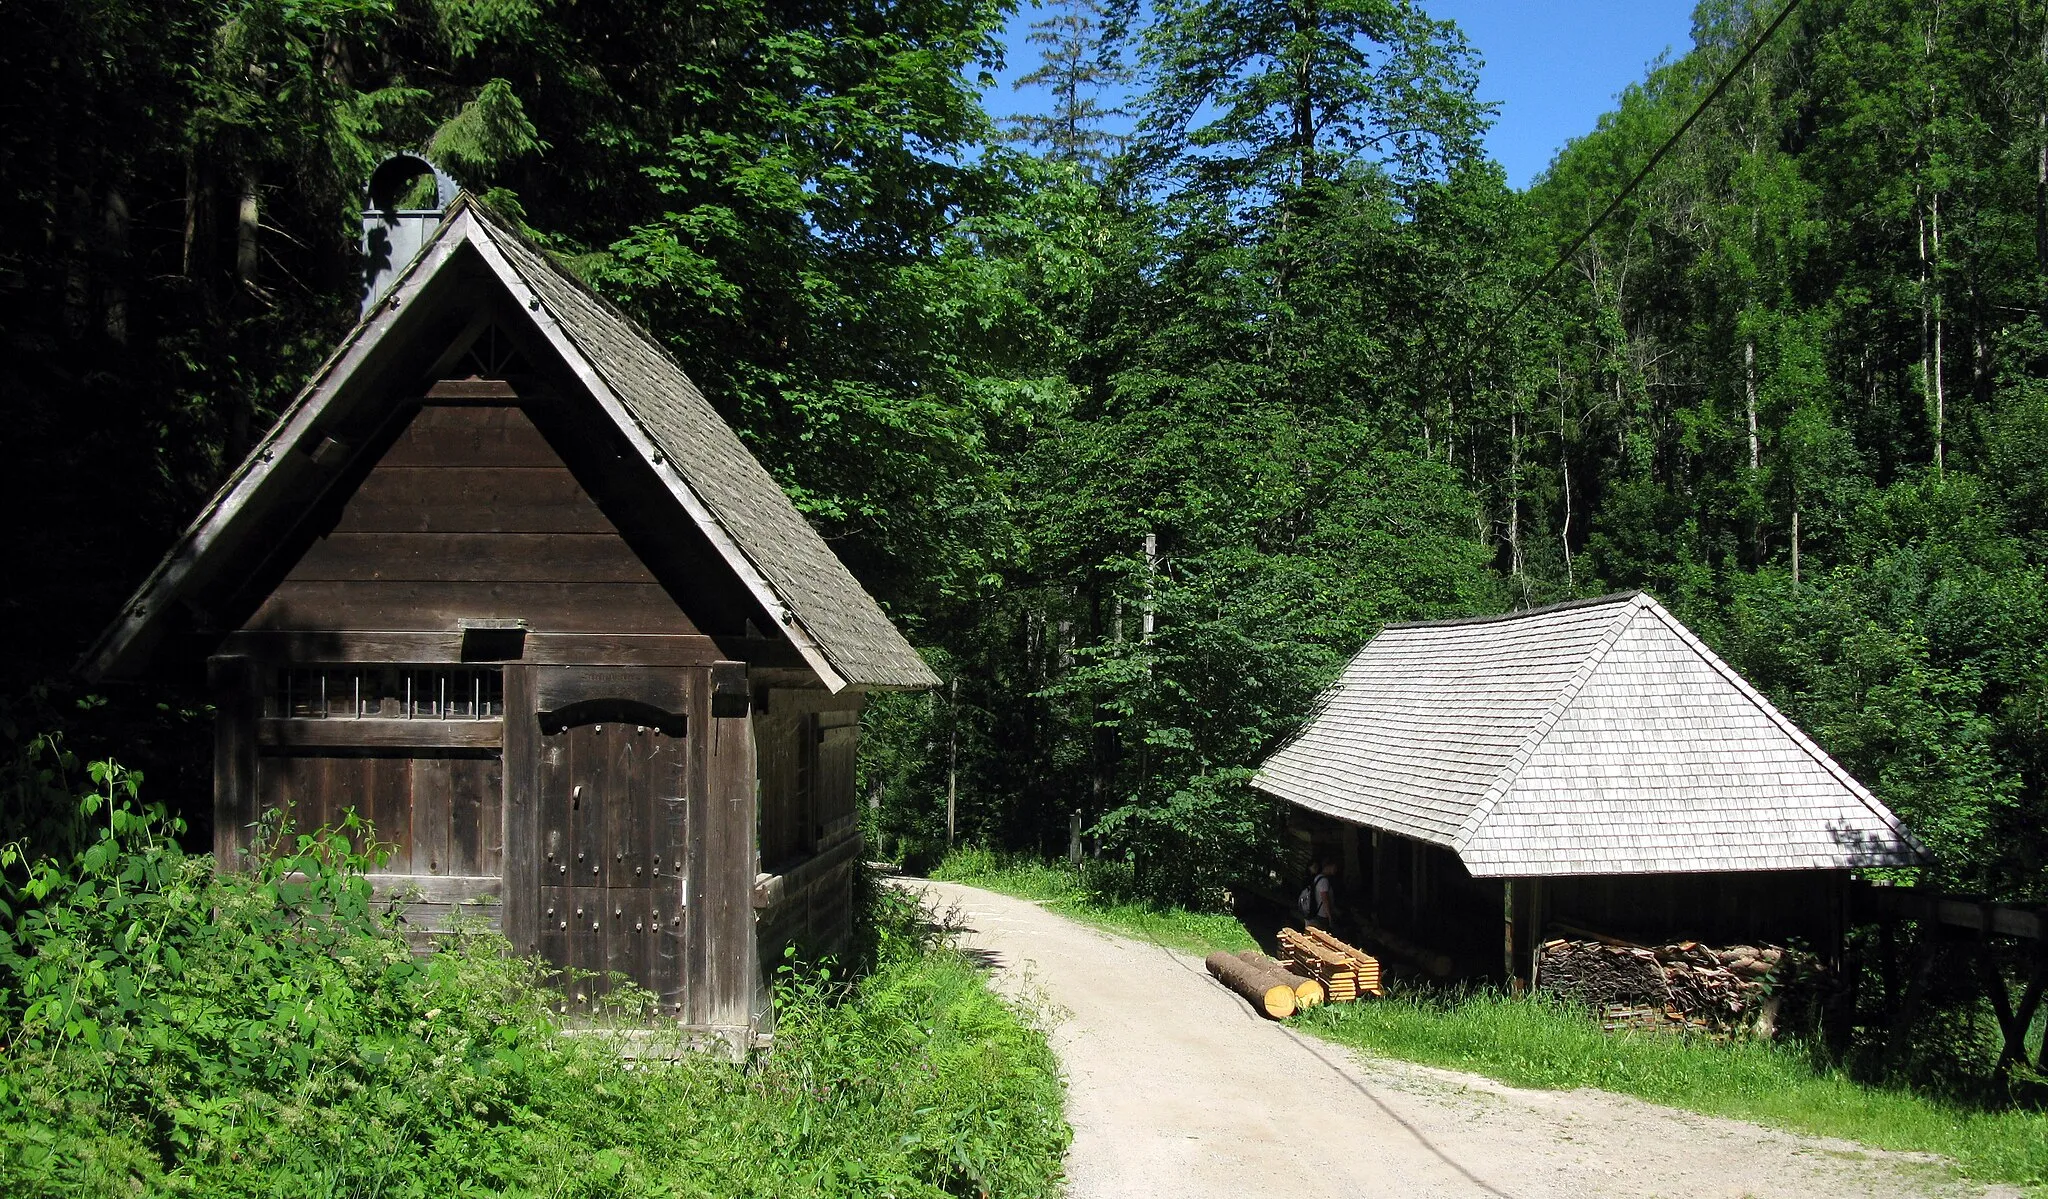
point(1085, 897)
point(1537, 1043)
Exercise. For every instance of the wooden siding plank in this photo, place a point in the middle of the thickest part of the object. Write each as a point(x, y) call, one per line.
point(311, 646)
point(338, 732)
point(432, 787)
point(440, 888)
point(437, 607)
point(468, 499)
point(459, 435)
point(471, 558)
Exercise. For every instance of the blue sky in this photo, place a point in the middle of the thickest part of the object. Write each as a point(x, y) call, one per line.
point(1553, 65)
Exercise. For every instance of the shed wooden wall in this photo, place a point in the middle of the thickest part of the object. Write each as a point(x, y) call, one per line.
point(471, 514)
point(810, 834)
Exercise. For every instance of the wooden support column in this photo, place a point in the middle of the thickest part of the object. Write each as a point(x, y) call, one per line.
point(725, 988)
point(521, 806)
point(237, 700)
point(1507, 915)
point(1352, 881)
point(1379, 876)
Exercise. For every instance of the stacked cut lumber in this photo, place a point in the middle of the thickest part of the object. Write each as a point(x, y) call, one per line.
point(1668, 987)
point(1270, 991)
point(1308, 990)
point(1345, 971)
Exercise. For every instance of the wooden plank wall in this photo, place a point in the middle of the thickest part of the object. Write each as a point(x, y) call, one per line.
point(471, 514)
point(807, 900)
point(438, 816)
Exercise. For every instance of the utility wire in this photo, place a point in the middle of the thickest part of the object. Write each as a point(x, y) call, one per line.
point(1669, 142)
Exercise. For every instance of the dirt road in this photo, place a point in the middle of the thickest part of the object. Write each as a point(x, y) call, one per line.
point(1176, 1089)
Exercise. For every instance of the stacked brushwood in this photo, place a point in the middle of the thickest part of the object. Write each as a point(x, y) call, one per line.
point(1678, 987)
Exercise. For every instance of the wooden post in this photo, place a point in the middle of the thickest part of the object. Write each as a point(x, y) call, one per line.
point(1074, 838)
point(1379, 876)
point(521, 807)
point(724, 974)
point(1352, 881)
point(237, 699)
point(1507, 915)
point(1533, 929)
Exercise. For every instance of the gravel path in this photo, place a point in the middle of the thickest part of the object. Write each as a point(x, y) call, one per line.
point(1176, 1089)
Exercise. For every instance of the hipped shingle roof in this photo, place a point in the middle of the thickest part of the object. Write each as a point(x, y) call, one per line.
point(1593, 738)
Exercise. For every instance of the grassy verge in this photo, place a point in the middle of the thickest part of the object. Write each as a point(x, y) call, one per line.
point(1534, 1043)
point(164, 1030)
point(1085, 897)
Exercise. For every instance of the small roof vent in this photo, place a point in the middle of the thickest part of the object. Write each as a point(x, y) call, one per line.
point(399, 215)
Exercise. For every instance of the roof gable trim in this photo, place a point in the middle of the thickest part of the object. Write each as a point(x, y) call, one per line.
point(578, 361)
point(291, 428)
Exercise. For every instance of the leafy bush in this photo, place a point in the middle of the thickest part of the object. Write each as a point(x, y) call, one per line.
point(171, 1030)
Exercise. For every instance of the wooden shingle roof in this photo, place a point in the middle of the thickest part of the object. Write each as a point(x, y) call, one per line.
point(1599, 737)
point(716, 483)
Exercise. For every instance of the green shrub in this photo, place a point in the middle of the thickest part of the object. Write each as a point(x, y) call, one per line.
point(168, 1030)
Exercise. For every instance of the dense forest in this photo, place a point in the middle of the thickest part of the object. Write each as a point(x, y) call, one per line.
point(1138, 435)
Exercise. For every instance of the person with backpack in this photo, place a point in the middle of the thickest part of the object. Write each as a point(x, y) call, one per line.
point(1317, 903)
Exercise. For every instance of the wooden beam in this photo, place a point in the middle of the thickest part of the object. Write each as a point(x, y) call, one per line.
point(436, 888)
point(312, 647)
point(376, 732)
point(472, 389)
point(1914, 903)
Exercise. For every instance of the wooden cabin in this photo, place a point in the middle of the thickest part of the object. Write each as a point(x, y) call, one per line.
point(501, 581)
point(1588, 767)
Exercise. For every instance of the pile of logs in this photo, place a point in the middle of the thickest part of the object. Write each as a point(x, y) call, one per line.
point(1274, 990)
point(1667, 987)
point(1345, 972)
point(1319, 968)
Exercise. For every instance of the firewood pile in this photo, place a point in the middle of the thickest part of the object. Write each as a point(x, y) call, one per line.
point(1667, 987)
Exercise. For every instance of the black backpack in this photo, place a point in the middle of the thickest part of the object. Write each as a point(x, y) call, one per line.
point(1306, 901)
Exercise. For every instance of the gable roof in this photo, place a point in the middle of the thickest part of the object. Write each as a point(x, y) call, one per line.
point(1597, 737)
point(834, 623)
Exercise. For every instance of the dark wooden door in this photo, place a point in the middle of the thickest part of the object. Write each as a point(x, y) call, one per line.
point(613, 832)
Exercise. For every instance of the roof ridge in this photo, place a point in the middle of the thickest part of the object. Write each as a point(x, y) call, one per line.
point(492, 225)
point(1871, 803)
point(1541, 730)
point(1613, 597)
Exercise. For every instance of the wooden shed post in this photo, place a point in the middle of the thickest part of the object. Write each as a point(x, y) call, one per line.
point(723, 962)
point(1507, 916)
point(521, 811)
point(236, 703)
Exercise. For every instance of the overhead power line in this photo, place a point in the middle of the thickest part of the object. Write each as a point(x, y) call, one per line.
point(1622, 196)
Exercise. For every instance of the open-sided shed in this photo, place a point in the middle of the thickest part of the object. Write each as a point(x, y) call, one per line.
point(1591, 763)
point(501, 580)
